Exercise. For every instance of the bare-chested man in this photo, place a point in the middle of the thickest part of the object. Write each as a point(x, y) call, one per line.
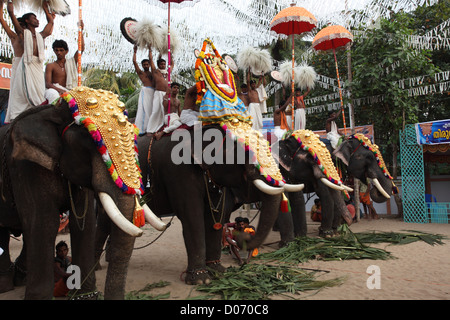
point(61, 75)
point(243, 94)
point(172, 117)
point(299, 113)
point(28, 85)
point(254, 106)
point(145, 103)
point(159, 73)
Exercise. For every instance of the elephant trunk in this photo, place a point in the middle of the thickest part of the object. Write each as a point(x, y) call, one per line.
point(269, 213)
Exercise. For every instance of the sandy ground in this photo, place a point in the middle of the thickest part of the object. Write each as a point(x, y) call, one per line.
point(419, 272)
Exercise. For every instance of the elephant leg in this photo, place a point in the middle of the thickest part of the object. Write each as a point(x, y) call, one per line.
point(328, 210)
point(82, 235)
point(286, 227)
point(298, 210)
point(121, 250)
point(6, 267)
point(40, 255)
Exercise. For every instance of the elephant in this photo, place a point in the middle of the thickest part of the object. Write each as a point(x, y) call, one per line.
point(364, 161)
point(50, 166)
point(203, 194)
point(300, 165)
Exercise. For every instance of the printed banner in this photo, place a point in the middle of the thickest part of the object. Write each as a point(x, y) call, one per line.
point(5, 75)
point(434, 132)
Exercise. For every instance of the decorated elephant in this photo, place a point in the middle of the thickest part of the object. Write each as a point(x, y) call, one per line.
point(50, 166)
point(203, 193)
point(364, 161)
point(303, 158)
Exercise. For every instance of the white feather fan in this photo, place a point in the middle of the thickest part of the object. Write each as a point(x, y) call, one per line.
point(258, 61)
point(60, 7)
point(286, 72)
point(174, 42)
point(305, 77)
point(148, 33)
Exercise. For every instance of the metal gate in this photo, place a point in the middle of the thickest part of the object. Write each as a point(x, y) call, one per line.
point(413, 178)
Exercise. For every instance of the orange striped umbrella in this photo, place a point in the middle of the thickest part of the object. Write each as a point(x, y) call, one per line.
point(331, 38)
point(291, 21)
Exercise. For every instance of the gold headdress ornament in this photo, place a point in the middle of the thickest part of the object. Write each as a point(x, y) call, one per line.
point(102, 114)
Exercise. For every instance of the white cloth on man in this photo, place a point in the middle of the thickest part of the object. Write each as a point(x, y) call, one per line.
point(278, 132)
point(262, 97)
point(52, 95)
point(189, 117)
point(28, 81)
point(173, 123)
point(156, 120)
point(333, 136)
point(255, 111)
point(299, 119)
point(144, 109)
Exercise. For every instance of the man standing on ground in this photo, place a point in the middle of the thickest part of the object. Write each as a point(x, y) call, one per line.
point(145, 103)
point(61, 75)
point(29, 83)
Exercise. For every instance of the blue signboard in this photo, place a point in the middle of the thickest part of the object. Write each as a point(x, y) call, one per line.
point(434, 132)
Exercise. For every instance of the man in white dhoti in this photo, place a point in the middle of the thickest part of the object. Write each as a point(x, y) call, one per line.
point(189, 114)
point(262, 94)
point(146, 95)
point(28, 85)
point(331, 128)
point(299, 113)
point(61, 75)
point(156, 120)
point(254, 106)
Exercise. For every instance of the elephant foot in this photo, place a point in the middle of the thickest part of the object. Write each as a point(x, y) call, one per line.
point(6, 280)
point(197, 277)
point(215, 266)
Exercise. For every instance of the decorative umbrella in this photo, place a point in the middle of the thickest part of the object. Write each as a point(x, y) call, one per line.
point(80, 35)
point(331, 38)
point(169, 54)
point(291, 21)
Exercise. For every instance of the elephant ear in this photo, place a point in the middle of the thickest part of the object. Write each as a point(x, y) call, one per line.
point(35, 135)
point(343, 152)
point(286, 152)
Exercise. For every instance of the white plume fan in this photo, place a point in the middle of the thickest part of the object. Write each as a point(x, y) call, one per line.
point(305, 77)
point(258, 61)
point(286, 73)
point(147, 33)
point(174, 42)
point(60, 7)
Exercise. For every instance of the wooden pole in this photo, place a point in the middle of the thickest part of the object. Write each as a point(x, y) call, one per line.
point(340, 91)
point(80, 36)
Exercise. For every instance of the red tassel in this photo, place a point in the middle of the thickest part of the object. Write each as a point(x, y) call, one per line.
point(284, 204)
point(138, 215)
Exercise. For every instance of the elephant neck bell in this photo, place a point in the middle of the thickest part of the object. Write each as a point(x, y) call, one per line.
point(103, 115)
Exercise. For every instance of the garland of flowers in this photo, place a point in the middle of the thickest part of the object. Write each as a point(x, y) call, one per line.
point(317, 160)
point(253, 158)
point(380, 160)
point(101, 147)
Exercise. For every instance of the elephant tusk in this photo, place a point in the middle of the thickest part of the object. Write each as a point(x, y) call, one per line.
point(347, 188)
point(266, 188)
point(293, 187)
point(380, 188)
point(331, 185)
point(154, 221)
point(117, 217)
